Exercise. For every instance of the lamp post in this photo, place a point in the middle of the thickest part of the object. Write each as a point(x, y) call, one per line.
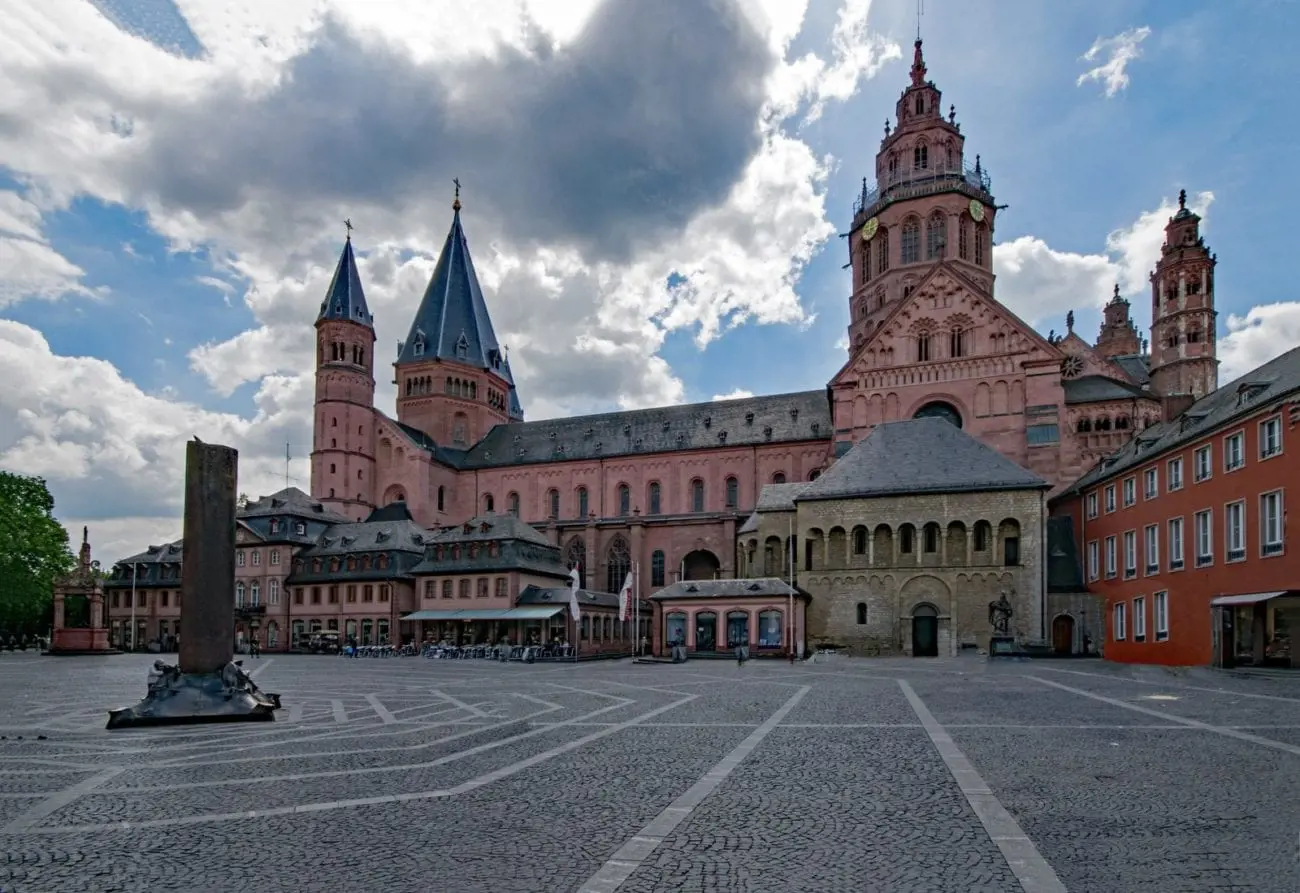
point(134, 566)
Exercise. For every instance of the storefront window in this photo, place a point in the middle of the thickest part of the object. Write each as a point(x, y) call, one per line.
point(675, 629)
point(737, 628)
point(383, 630)
point(706, 631)
point(770, 630)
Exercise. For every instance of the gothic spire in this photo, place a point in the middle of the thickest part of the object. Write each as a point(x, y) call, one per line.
point(345, 299)
point(918, 64)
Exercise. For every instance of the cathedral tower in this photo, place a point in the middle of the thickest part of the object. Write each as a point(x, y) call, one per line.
point(1184, 362)
point(1118, 336)
point(343, 436)
point(928, 206)
point(453, 379)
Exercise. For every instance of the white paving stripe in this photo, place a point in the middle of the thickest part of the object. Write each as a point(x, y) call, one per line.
point(48, 807)
point(1173, 685)
point(635, 851)
point(1026, 863)
point(385, 715)
point(1181, 720)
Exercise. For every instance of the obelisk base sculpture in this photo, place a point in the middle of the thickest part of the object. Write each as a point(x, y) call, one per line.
point(207, 685)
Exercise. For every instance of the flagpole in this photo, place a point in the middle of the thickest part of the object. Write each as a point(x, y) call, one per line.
point(790, 574)
point(636, 607)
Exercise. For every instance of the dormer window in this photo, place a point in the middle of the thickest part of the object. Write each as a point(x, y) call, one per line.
point(300, 528)
point(462, 348)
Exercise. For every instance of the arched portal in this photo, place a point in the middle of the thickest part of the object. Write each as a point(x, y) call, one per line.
point(700, 565)
point(939, 409)
point(925, 631)
point(1063, 634)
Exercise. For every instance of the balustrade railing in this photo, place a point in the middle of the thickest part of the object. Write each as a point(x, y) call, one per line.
point(923, 181)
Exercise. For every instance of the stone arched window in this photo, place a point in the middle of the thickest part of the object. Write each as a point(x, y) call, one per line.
point(624, 500)
point(957, 342)
point(910, 248)
point(553, 503)
point(513, 502)
point(657, 568)
point(862, 613)
point(923, 347)
point(920, 153)
point(575, 555)
point(442, 499)
point(733, 493)
point(859, 540)
point(239, 595)
point(655, 498)
point(981, 242)
point(697, 495)
point(882, 250)
point(778, 478)
point(488, 504)
point(963, 237)
point(936, 240)
point(618, 561)
point(931, 536)
point(584, 507)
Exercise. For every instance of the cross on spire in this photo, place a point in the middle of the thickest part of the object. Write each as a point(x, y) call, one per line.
point(455, 205)
point(348, 224)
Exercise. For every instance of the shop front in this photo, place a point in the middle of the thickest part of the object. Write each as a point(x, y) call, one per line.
point(528, 625)
point(1256, 629)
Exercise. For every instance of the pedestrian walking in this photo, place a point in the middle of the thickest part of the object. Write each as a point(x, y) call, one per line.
point(254, 649)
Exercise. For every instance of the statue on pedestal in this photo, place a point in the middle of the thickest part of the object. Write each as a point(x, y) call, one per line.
point(1000, 613)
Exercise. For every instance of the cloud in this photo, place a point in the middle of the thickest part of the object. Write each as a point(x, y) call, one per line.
point(737, 394)
point(1264, 333)
point(1116, 53)
point(1040, 283)
point(29, 267)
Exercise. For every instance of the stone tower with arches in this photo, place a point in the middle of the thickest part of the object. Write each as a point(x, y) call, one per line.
point(1184, 360)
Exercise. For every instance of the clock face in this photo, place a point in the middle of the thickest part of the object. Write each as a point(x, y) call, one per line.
point(976, 211)
point(869, 229)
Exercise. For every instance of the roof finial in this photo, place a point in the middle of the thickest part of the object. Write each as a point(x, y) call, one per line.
point(1182, 199)
point(455, 205)
point(920, 11)
point(918, 61)
point(1116, 295)
point(1069, 321)
point(348, 224)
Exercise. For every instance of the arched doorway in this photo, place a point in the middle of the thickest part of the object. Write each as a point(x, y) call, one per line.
point(1063, 634)
point(925, 631)
point(700, 565)
point(939, 409)
point(706, 631)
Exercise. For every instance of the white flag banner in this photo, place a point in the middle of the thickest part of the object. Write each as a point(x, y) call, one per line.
point(625, 599)
point(575, 610)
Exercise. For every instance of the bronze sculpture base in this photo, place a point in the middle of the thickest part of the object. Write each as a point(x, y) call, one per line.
point(185, 699)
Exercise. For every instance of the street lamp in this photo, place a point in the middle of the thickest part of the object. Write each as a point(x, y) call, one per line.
point(134, 565)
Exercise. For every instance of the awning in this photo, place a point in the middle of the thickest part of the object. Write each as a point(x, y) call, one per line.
point(527, 613)
point(1253, 598)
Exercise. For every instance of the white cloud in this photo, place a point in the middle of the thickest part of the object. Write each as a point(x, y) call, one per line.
point(737, 394)
point(1115, 54)
point(1264, 333)
point(1040, 283)
point(29, 267)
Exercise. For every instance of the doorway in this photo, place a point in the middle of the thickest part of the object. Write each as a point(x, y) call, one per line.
point(925, 631)
point(706, 631)
point(737, 628)
point(1063, 634)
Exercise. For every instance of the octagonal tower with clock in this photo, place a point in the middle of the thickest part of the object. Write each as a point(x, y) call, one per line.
point(928, 337)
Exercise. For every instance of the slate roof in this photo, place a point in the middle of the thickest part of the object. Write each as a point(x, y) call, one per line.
point(452, 322)
point(750, 525)
point(1136, 367)
point(345, 299)
point(762, 586)
point(559, 596)
point(779, 418)
point(369, 536)
point(926, 455)
point(514, 408)
point(1273, 381)
point(394, 511)
point(291, 502)
point(1098, 388)
point(486, 528)
point(779, 497)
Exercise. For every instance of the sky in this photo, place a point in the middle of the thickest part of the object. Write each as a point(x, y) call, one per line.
point(653, 195)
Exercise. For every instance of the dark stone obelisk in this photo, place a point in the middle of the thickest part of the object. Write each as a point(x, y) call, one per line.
point(207, 686)
point(208, 569)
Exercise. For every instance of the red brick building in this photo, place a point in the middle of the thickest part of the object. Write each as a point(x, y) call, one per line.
point(1183, 531)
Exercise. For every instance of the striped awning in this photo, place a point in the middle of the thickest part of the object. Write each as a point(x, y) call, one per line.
point(541, 612)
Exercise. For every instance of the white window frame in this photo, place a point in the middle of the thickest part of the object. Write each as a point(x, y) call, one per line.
point(257, 558)
point(1273, 423)
point(1177, 544)
point(1130, 491)
point(1094, 560)
point(1234, 542)
point(1120, 621)
point(273, 591)
point(1268, 545)
point(1140, 618)
point(1151, 483)
point(1234, 442)
point(240, 558)
point(1151, 549)
point(1174, 475)
point(1092, 504)
point(1160, 615)
point(1111, 558)
point(1203, 531)
point(1110, 498)
point(1203, 463)
point(275, 557)
point(1130, 554)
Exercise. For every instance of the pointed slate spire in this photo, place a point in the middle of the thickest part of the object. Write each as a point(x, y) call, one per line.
point(515, 408)
point(452, 322)
point(345, 299)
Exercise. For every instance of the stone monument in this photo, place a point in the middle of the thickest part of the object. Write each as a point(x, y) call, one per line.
point(79, 609)
point(1001, 643)
point(207, 685)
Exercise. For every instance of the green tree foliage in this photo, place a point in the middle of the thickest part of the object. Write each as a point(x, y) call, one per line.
point(34, 553)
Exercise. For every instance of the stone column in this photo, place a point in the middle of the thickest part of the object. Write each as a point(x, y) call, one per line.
point(208, 572)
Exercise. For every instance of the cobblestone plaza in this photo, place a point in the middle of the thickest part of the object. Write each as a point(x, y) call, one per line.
point(409, 774)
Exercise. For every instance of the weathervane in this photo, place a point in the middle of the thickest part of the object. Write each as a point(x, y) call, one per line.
point(455, 205)
point(348, 223)
point(920, 11)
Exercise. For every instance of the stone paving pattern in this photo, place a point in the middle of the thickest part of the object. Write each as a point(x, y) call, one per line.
point(409, 774)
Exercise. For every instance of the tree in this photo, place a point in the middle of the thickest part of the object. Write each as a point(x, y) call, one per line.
point(34, 554)
point(242, 502)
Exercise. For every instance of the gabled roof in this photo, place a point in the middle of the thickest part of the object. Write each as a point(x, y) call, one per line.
point(925, 455)
point(1136, 366)
point(762, 587)
point(291, 502)
point(1098, 388)
point(779, 497)
point(779, 418)
point(345, 299)
point(1273, 381)
point(452, 322)
point(369, 536)
point(489, 527)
